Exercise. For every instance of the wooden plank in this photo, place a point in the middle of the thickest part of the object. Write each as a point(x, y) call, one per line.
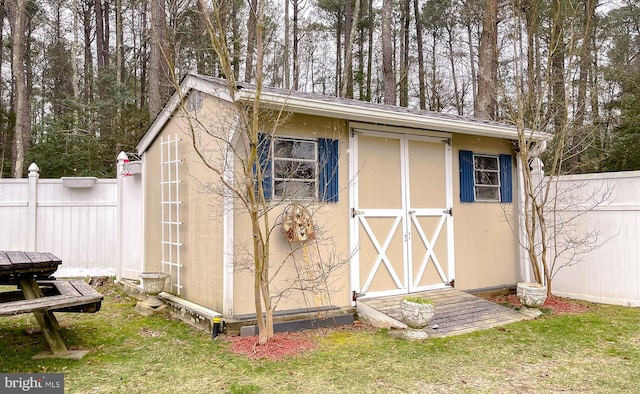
point(5, 263)
point(64, 287)
point(85, 289)
point(45, 303)
point(18, 258)
point(40, 257)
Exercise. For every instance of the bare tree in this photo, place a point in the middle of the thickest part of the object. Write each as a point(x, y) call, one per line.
point(249, 145)
point(286, 49)
point(18, 15)
point(422, 95)
point(486, 101)
point(251, 38)
point(545, 236)
point(388, 72)
point(160, 59)
point(351, 24)
point(405, 19)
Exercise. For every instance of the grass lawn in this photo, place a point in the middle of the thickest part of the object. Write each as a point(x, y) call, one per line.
point(596, 351)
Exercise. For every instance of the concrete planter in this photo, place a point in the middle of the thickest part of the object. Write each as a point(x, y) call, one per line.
point(153, 284)
point(417, 316)
point(531, 295)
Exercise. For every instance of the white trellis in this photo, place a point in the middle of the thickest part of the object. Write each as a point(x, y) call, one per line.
point(170, 217)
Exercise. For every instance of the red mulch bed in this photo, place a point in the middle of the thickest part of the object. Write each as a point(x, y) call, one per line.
point(285, 344)
point(282, 345)
point(559, 306)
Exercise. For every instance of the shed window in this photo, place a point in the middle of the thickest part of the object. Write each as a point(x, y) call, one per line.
point(485, 177)
point(295, 168)
point(299, 168)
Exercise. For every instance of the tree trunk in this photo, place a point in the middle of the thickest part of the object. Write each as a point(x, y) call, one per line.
point(251, 40)
point(388, 72)
point(88, 53)
point(17, 12)
point(286, 49)
point(4, 135)
point(119, 44)
point(486, 101)
point(100, 49)
point(557, 49)
point(235, 33)
point(531, 20)
point(339, 26)
point(160, 76)
point(434, 100)
point(458, 102)
point(472, 65)
point(296, 41)
point(422, 95)
point(585, 61)
point(361, 38)
point(74, 50)
point(351, 24)
point(370, 50)
point(405, 18)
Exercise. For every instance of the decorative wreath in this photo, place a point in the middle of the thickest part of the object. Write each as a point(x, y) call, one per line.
point(297, 224)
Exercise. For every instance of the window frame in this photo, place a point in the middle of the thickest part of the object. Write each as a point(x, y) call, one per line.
point(468, 176)
point(477, 185)
point(316, 168)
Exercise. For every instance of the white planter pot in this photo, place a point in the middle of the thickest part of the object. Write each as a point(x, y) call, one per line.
point(416, 316)
point(153, 284)
point(531, 295)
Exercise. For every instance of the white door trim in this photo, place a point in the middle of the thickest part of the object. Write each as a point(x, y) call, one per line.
point(403, 219)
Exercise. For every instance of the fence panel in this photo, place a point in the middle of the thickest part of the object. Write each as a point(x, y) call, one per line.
point(608, 272)
point(77, 224)
point(14, 207)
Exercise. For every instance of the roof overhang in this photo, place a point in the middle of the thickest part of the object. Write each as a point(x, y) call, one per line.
point(389, 117)
point(350, 110)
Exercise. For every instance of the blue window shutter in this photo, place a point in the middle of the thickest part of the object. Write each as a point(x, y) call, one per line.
point(466, 176)
point(264, 158)
point(328, 170)
point(506, 181)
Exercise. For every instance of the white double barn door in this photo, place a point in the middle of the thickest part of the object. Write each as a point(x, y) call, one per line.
point(401, 226)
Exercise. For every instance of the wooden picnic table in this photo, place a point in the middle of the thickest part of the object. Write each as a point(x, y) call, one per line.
point(41, 294)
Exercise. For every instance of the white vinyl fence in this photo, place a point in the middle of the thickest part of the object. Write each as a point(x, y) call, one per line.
point(605, 213)
point(80, 220)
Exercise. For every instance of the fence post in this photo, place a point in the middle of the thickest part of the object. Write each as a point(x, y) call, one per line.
point(120, 169)
point(34, 175)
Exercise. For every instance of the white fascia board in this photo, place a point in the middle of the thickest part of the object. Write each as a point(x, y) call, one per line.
point(383, 116)
point(188, 83)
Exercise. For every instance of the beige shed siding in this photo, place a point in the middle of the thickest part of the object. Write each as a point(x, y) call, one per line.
point(201, 233)
point(486, 252)
point(332, 220)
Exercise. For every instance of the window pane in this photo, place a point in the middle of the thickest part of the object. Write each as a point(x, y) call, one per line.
point(487, 178)
point(295, 189)
point(294, 169)
point(487, 193)
point(485, 163)
point(295, 149)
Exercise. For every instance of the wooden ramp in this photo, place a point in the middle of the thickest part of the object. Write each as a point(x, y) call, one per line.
point(457, 312)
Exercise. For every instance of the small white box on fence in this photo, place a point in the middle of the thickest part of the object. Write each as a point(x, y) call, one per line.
point(134, 167)
point(79, 182)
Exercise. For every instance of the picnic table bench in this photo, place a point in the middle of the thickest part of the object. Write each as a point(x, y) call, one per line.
point(41, 294)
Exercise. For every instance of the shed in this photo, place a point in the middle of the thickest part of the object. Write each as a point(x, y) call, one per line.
point(402, 200)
